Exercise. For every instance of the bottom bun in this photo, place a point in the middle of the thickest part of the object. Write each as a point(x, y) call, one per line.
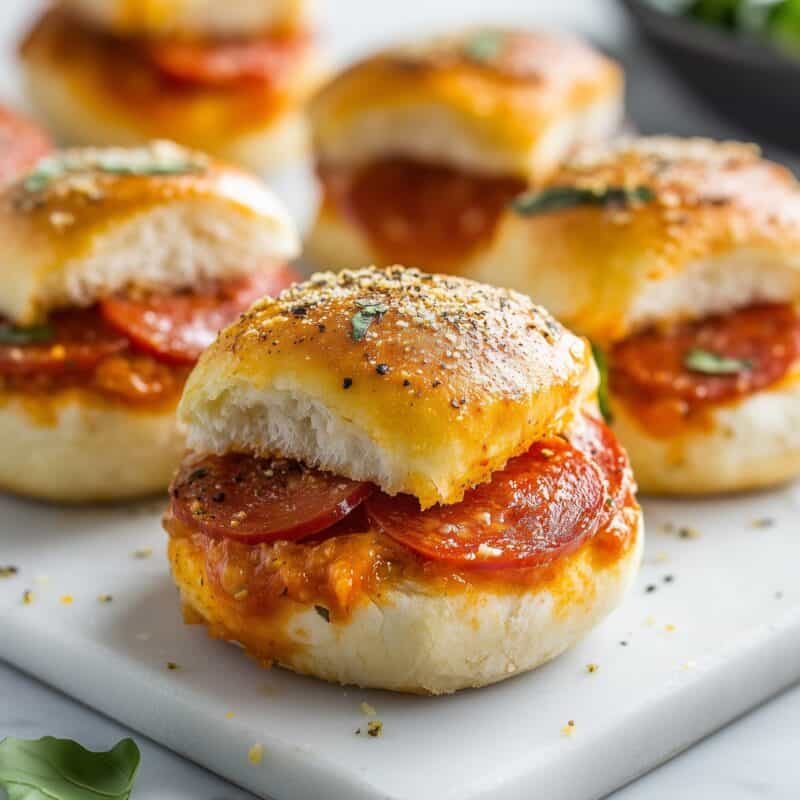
point(413, 636)
point(71, 447)
point(751, 444)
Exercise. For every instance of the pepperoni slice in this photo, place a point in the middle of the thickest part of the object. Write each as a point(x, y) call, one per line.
point(178, 326)
point(22, 143)
point(220, 63)
point(542, 505)
point(653, 364)
point(79, 341)
point(257, 500)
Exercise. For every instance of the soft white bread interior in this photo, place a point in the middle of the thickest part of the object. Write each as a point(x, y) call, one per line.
point(719, 230)
point(748, 444)
point(419, 383)
point(414, 637)
point(192, 17)
point(72, 447)
point(484, 100)
point(84, 223)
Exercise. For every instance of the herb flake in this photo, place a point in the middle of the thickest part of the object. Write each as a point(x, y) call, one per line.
point(602, 389)
point(484, 46)
point(369, 311)
point(707, 362)
point(35, 334)
point(559, 197)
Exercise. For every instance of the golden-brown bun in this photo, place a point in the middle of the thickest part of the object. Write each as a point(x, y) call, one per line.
point(189, 17)
point(722, 231)
point(77, 226)
point(414, 637)
point(744, 445)
point(72, 447)
point(449, 381)
point(485, 100)
point(91, 91)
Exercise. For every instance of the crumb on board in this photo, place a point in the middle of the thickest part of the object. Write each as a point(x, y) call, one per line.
point(104, 598)
point(142, 552)
point(255, 755)
point(367, 710)
point(229, 715)
point(569, 728)
point(650, 620)
point(27, 597)
point(42, 578)
point(592, 667)
point(374, 727)
point(9, 571)
point(66, 599)
point(171, 665)
point(669, 627)
point(688, 532)
point(763, 522)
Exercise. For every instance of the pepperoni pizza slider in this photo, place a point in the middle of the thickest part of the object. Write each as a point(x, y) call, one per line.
point(22, 144)
point(118, 267)
point(401, 481)
point(419, 148)
point(229, 77)
point(680, 260)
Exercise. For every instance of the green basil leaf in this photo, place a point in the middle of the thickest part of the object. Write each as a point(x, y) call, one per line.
point(35, 334)
point(602, 390)
point(484, 46)
point(708, 363)
point(60, 769)
point(558, 197)
point(368, 312)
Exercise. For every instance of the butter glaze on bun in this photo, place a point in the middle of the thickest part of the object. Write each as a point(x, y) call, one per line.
point(485, 100)
point(419, 383)
point(721, 231)
point(188, 17)
point(441, 388)
point(88, 222)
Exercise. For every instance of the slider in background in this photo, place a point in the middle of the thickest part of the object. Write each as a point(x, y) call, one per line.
point(229, 78)
point(118, 267)
point(400, 481)
point(419, 147)
point(680, 260)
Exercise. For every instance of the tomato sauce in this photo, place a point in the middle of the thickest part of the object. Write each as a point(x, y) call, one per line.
point(353, 560)
point(415, 213)
point(138, 351)
point(652, 373)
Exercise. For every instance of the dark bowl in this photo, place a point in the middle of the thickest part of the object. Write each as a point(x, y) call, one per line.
point(750, 83)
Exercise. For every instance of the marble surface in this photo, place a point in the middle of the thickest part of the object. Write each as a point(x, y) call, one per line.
point(752, 758)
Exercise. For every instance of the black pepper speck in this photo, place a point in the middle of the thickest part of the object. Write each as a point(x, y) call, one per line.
point(382, 369)
point(347, 383)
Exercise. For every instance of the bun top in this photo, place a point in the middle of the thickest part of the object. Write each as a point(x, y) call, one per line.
point(484, 99)
point(652, 229)
point(420, 383)
point(189, 17)
point(87, 222)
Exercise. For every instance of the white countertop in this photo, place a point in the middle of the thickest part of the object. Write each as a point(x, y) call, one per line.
point(752, 758)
